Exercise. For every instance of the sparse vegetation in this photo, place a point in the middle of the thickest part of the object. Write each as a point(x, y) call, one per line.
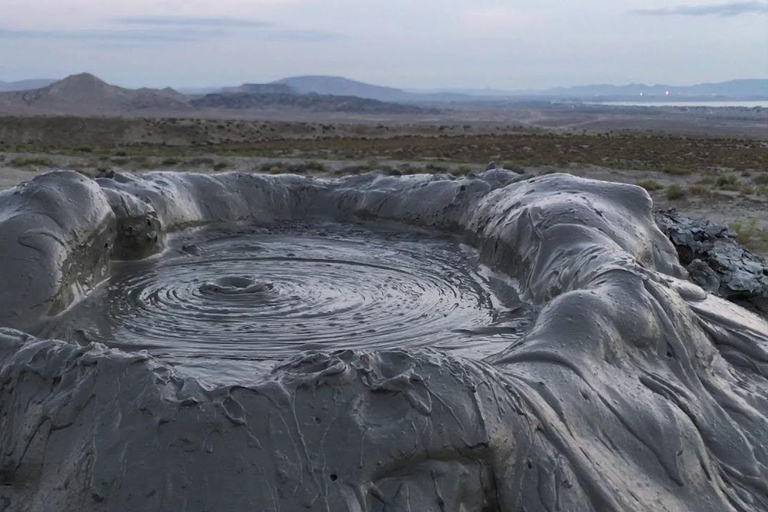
point(678, 156)
point(675, 192)
point(202, 162)
point(351, 169)
point(749, 234)
point(727, 183)
point(746, 189)
point(649, 185)
point(315, 166)
point(284, 167)
point(30, 161)
point(436, 168)
point(462, 170)
point(698, 190)
point(141, 162)
point(677, 171)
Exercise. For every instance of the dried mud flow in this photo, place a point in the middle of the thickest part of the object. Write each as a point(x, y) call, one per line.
point(183, 341)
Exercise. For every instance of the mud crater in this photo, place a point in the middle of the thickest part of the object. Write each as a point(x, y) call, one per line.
point(228, 302)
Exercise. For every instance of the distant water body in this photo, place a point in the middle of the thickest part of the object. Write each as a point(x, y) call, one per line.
point(746, 104)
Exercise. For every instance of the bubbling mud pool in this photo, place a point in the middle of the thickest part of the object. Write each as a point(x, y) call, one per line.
point(227, 303)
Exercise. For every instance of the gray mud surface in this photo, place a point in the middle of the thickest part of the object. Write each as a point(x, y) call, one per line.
point(227, 303)
point(632, 389)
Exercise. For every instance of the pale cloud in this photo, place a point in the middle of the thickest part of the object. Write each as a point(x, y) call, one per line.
point(170, 29)
point(127, 36)
point(725, 9)
point(498, 18)
point(191, 21)
point(513, 44)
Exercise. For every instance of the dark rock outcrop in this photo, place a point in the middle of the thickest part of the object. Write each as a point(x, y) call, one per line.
point(716, 261)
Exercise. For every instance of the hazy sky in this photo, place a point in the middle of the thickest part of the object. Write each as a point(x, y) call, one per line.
point(509, 44)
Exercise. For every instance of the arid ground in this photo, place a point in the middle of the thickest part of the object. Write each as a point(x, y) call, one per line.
point(718, 170)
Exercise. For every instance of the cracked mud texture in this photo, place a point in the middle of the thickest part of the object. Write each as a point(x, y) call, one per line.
point(633, 390)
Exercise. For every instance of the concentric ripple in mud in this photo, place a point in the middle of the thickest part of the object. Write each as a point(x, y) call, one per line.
point(226, 301)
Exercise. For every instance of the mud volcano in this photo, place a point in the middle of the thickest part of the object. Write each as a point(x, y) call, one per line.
point(229, 302)
point(373, 343)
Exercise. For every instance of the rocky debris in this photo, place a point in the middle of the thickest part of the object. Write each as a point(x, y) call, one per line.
point(716, 261)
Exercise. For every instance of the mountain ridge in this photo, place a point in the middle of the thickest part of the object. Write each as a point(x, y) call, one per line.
point(25, 85)
point(341, 86)
point(86, 94)
point(750, 88)
point(747, 89)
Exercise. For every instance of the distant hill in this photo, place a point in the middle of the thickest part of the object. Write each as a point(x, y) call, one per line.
point(304, 102)
point(274, 88)
point(84, 94)
point(748, 89)
point(738, 88)
point(339, 86)
point(25, 85)
point(733, 89)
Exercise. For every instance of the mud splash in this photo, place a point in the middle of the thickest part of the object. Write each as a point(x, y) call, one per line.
point(228, 303)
